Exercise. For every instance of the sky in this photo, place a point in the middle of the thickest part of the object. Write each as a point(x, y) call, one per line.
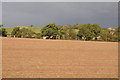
point(60, 0)
point(0, 13)
point(62, 13)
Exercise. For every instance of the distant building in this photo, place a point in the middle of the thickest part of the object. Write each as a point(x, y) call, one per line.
point(111, 28)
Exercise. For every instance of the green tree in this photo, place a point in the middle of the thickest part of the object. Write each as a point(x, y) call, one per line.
point(38, 35)
point(108, 35)
point(3, 32)
point(26, 33)
point(117, 34)
point(1, 25)
point(30, 26)
point(23, 32)
point(77, 26)
point(71, 34)
point(68, 33)
point(64, 32)
point(16, 32)
point(0, 31)
point(89, 31)
point(50, 30)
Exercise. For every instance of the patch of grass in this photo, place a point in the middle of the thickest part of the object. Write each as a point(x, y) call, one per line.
point(35, 29)
point(9, 30)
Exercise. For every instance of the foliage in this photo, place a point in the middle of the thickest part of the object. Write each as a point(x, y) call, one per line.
point(34, 29)
point(85, 32)
point(68, 33)
point(109, 35)
point(3, 32)
point(1, 25)
point(50, 30)
point(117, 34)
point(89, 31)
point(38, 35)
point(24, 32)
point(16, 31)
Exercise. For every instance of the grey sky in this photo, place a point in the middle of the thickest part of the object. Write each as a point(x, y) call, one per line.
point(0, 12)
point(60, 0)
point(61, 13)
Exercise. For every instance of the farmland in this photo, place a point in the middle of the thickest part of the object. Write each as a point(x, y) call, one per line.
point(35, 29)
point(37, 58)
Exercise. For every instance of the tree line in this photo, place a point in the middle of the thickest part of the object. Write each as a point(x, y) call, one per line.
point(86, 32)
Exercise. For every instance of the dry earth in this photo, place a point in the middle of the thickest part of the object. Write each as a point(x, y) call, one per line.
point(0, 58)
point(35, 58)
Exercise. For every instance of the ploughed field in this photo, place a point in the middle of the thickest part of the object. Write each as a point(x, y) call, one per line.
point(37, 58)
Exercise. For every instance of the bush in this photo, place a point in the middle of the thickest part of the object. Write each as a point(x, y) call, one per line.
point(3, 32)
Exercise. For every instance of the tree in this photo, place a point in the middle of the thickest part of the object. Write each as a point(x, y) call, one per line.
point(50, 30)
point(108, 35)
point(96, 30)
point(37, 35)
point(24, 32)
point(117, 34)
point(89, 31)
point(1, 25)
point(67, 32)
point(71, 34)
point(30, 26)
point(77, 26)
point(64, 32)
point(0, 31)
point(16, 32)
point(3, 32)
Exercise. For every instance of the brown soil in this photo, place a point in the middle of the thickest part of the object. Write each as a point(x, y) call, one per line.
point(35, 58)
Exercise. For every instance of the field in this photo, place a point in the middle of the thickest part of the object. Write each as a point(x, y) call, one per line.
point(37, 58)
point(35, 29)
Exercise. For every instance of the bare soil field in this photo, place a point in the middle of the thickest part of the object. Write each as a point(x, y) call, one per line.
point(37, 58)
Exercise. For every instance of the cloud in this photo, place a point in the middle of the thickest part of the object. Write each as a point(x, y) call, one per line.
point(62, 13)
point(0, 13)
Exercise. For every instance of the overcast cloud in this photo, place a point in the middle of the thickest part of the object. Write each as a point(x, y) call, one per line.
point(61, 13)
point(0, 12)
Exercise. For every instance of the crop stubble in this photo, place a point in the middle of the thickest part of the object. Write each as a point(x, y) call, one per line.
point(37, 58)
